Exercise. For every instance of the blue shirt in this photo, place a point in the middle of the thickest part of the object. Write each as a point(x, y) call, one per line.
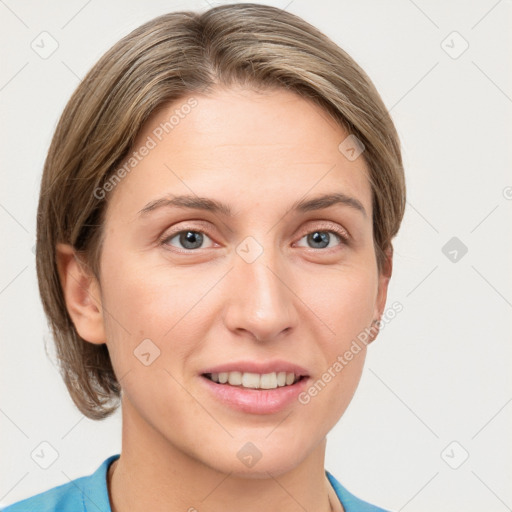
point(90, 494)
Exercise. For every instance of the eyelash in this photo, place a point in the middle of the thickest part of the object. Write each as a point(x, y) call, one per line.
point(330, 228)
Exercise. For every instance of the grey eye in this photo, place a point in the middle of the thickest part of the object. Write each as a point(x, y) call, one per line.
point(321, 239)
point(188, 239)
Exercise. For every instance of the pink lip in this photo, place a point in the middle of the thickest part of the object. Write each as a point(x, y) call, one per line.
point(256, 401)
point(256, 367)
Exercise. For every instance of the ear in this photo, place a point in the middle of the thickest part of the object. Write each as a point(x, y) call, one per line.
point(82, 295)
point(382, 292)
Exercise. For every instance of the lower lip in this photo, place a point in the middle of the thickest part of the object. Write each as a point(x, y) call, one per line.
point(256, 401)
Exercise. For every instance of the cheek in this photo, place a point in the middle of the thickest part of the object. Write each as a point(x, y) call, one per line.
point(347, 307)
point(152, 300)
point(156, 310)
point(344, 299)
point(330, 392)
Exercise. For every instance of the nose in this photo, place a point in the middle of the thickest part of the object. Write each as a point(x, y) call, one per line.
point(261, 298)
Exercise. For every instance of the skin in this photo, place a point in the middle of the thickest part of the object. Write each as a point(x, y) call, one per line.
point(259, 152)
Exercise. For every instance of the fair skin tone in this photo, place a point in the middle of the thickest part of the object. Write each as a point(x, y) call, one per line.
point(301, 300)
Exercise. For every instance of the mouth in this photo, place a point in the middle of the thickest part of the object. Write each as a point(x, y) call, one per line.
point(249, 380)
point(266, 393)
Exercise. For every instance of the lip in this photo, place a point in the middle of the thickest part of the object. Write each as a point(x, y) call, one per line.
point(276, 365)
point(255, 401)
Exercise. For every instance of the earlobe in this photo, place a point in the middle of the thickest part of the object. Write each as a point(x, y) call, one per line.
point(82, 295)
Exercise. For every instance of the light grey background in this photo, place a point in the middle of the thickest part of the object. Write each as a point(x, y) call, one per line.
point(437, 381)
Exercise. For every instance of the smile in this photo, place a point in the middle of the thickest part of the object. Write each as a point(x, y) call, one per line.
point(259, 401)
point(250, 380)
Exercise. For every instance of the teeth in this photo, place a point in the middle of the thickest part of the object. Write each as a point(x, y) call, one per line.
point(268, 381)
point(235, 378)
point(254, 380)
point(251, 380)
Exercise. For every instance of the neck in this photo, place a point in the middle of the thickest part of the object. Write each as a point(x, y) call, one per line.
point(153, 474)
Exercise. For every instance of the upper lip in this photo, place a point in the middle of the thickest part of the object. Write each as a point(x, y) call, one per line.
point(261, 367)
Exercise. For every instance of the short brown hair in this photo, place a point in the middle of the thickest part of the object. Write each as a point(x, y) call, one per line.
point(162, 61)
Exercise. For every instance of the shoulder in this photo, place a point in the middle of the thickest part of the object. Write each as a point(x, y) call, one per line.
point(84, 494)
point(350, 502)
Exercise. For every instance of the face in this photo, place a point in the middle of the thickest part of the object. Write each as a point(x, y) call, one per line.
point(260, 284)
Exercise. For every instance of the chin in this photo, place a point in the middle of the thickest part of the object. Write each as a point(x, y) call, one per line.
point(259, 460)
point(261, 470)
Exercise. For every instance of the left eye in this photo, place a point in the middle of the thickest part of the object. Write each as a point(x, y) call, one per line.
point(322, 239)
point(188, 239)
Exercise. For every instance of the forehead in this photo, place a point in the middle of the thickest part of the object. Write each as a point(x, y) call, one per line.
point(242, 144)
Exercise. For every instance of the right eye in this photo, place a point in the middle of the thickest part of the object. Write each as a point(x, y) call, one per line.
point(189, 239)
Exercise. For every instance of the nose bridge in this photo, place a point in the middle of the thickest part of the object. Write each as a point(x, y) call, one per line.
point(260, 300)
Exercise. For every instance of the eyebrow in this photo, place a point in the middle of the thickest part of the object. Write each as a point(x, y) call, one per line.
point(214, 206)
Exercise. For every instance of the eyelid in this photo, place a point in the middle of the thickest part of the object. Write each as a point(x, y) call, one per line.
point(328, 226)
point(168, 234)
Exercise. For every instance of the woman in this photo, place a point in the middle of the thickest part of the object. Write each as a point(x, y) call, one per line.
point(214, 249)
